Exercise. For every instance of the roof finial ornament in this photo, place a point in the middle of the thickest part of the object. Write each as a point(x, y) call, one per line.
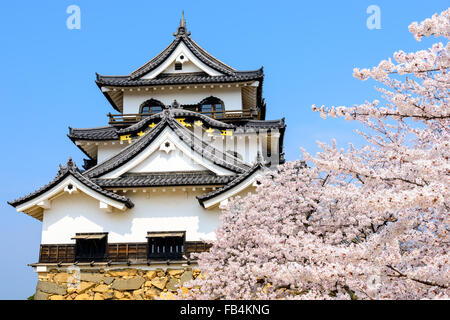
point(175, 104)
point(182, 22)
point(182, 27)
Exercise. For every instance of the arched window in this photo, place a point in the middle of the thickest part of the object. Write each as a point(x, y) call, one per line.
point(150, 107)
point(212, 107)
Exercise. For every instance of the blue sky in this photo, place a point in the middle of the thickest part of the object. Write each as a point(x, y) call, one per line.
point(308, 50)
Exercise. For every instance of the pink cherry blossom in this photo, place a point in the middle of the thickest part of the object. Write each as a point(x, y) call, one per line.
point(361, 223)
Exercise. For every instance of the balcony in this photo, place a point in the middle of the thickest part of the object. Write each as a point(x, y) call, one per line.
point(226, 116)
point(115, 252)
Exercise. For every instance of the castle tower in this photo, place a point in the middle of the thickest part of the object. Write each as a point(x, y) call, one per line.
point(188, 132)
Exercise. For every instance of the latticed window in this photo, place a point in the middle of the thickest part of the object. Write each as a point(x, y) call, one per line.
point(165, 245)
point(212, 107)
point(151, 106)
point(91, 246)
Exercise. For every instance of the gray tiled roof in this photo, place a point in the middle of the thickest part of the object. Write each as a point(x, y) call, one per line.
point(175, 113)
point(260, 124)
point(127, 81)
point(201, 54)
point(165, 179)
point(216, 156)
point(113, 133)
point(229, 74)
point(236, 181)
point(65, 171)
point(98, 133)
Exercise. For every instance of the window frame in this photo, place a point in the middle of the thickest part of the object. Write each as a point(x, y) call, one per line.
point(151, 103)
point(94, 239)
point(159, 236)
point(214, 113)
point(178, 66)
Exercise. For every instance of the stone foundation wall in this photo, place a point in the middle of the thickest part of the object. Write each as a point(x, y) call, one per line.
point(113, 284)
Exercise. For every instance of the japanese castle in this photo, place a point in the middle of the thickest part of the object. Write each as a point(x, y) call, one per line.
point(186, 133)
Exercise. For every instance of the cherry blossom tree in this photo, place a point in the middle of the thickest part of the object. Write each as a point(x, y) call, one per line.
point(364, 223)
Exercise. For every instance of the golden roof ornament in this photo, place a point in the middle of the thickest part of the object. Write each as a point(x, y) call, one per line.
point(182, 22)
point(182, 27)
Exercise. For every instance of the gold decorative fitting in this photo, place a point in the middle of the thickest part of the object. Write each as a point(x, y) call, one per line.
point(210, 130)
point(125, 137)
point(198, 123)
point(140, 133)
point(181, 121)
point(227, 133)
point(152, 125)
point(182, 22)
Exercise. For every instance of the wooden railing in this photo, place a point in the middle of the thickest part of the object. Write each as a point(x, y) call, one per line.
point(130, 118)
point(117, 252)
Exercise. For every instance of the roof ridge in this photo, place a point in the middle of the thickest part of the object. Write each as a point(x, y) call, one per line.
point(196, 49)
point(210, 55)
point(184, 134)
point(115, 161)
point(231, 184)
point(137, 71)
point(175, 112)
point(93, 128)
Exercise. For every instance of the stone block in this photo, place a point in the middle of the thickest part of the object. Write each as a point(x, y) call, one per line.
point(91, 277)
point(101, 288)
point(152, 293)
point(83, 296)
point(175, 273)
point(167, 296)
point(123, 272)
point(150, 274)
point(160, 282)
point(98, 296)
point(187, 276)
point(51, 288)
point(118, 295)
point(109, 294)
point(128, 284)
point(61, 278)
point(173, 284)
point(39, 295)
point(85, 286)
point(108, 280)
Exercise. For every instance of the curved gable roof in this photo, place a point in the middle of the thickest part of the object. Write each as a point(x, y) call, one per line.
point(234, 183)
point(200, 53)
point(175, 113)
point(71, 170)
point(167, 120)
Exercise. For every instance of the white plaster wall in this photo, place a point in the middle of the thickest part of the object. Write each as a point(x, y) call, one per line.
point(246, 146)
point(187, 67)
point(180, 50)
point(231, 97)
point(160, 161)
point(153, 211)
point(108, 151)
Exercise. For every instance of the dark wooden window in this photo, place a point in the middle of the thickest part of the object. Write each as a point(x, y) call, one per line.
point(212, 107)
point(178, 66)
point(166, 245)
point(91, 246)
point(151, 106)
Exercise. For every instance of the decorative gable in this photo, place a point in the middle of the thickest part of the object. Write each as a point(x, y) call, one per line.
point(167, 153)
point(183, 56)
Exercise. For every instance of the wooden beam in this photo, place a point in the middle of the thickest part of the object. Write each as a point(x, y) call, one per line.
point(45, 204)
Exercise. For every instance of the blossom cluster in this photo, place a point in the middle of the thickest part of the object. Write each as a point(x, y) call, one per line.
point(362, 223)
